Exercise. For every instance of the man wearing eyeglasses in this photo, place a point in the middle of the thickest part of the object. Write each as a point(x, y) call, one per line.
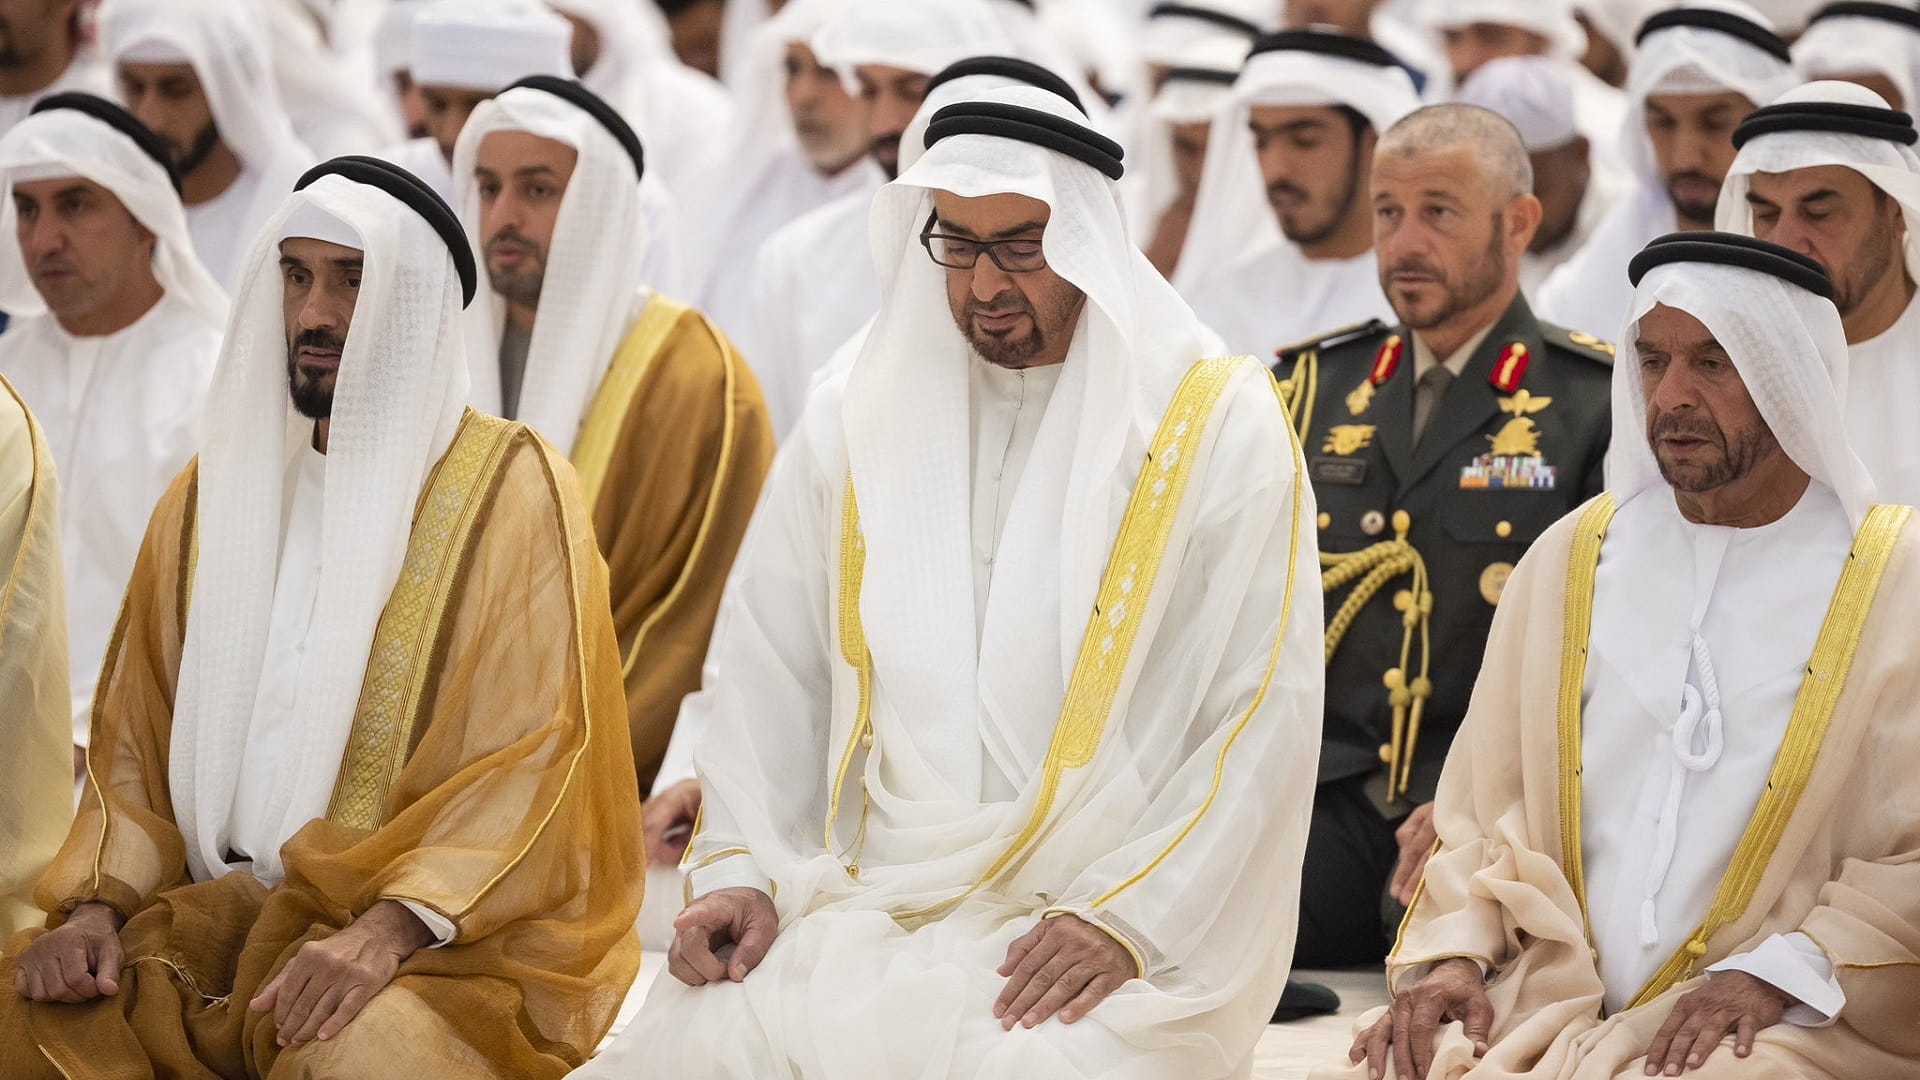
point(1012, 707)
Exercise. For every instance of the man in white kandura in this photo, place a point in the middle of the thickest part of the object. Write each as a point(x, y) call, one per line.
point(1008, 758)
point(118, 330)
point(1281, 242)
point(200, 74)
point(1830, 172)
point(1699, 71)
point(1680, 813)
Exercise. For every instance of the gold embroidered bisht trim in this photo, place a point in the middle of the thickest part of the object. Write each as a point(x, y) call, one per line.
point(593, 448)
point(1125, 590)
point(415, 620)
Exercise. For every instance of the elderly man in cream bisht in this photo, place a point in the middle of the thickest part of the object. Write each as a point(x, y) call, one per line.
point(1678, 832)
point(1012, 739)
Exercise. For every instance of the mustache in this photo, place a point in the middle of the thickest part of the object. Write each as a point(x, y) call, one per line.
point(885, 142)
point(1691, 174)
point(323, 340)
point(1008, 305)
point(1288, 188)
point(1416, 266)
point(510, 235)
point(1687, 424)
point(53, 262)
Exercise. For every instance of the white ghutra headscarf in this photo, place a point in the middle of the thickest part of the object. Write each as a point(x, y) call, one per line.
point(1785, 341)
point(398, 400)
point(64, 142)
point(593, 289)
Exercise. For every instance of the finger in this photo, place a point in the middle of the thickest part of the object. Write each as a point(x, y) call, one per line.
point(1479, 1023)
point(1064, 989)
point(702, 913)
point(36, 986)
point(696, 949)
point(1707, 1040)
point(1379, 1039)
point(1402, 1038)
point(1021, 946)
point(1663, 1039)
point(751, 944)
point(302, 1007)
point(322, 1011)
point(75, 981)
point(1426, 1019)
point(351, 1003)
point(671, 849)
point(1676, 1057)
point(680, 969)
point(1096, 991)
point(1038, 983)
point(1401, 873)
point(1020, 966)
point(1743, 1035)
point(1022, 981)
point(107, 960)
point(265, 999)
point(19, 979)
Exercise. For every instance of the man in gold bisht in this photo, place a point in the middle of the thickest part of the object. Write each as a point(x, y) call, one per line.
point(358, 791)
point(36, 802)
point(1678, 831)
point(657, 411)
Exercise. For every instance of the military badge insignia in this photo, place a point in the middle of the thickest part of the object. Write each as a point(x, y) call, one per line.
point(1346, 439)
point(1359, 398)
point(1514, 460)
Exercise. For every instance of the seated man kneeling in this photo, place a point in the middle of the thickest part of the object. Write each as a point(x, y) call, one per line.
point(1681, 813)
point(359, 795)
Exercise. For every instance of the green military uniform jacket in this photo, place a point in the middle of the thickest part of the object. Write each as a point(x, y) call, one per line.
point(1516, 441)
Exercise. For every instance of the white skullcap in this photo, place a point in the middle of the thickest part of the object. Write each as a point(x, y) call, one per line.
point(312, 222)
point(1551, 19)
point(489, 44)
point(1533, 93)
point(1863, 40)
point(155, 51)
point(393, 38)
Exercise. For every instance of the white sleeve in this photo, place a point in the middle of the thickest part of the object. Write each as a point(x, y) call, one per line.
point(438, 925)
point(1794, 965)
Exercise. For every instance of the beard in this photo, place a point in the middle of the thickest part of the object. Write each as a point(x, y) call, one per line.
point(185, 161)
point(1737, 457)
point(312, 395)
point(1874, 261)
point(1003, 350)
point(1485, 276)
point(1691, 211)
point(520, 285)
point(1341, 204)
point(885, 151)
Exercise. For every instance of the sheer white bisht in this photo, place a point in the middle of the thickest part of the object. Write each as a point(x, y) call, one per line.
point(1182, 829)
point(398, 399)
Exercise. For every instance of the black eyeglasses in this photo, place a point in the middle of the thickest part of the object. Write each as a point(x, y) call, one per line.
point(960, 253)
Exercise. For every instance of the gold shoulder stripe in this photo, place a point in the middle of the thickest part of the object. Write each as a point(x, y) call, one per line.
point(593, 447)
point(1820, 691)
point(1125, 592)
point(1583, 565)
point(416, 618)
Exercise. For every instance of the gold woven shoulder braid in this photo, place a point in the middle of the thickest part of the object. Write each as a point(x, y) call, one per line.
point(1820, 690)
point(1125, 592)
point(607, 413)
point(415, 619)
point(1583, 565)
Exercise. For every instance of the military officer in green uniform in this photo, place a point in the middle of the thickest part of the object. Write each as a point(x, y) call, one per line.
point(1438, 450)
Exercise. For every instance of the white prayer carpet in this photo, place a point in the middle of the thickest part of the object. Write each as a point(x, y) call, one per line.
point(1286, 1051)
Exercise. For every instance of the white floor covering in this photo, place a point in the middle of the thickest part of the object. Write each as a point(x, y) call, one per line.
point(1286, 1051)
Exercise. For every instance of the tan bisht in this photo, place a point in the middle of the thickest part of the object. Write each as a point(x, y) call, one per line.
point(483, 780)
point(649, 401)
point(672, 453)
point(36, 802)
point(1833, 849)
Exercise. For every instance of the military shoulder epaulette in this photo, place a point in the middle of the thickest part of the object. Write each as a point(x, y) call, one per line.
point(1331, 339)
point(1580, 344)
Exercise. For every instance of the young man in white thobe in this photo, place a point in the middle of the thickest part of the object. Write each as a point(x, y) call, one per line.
point(1698, 72)
point(200, 74)
point(1839, 189)
point(1009, 755)
point(1281, 242)
point(1671, 822)
point(119, 327)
